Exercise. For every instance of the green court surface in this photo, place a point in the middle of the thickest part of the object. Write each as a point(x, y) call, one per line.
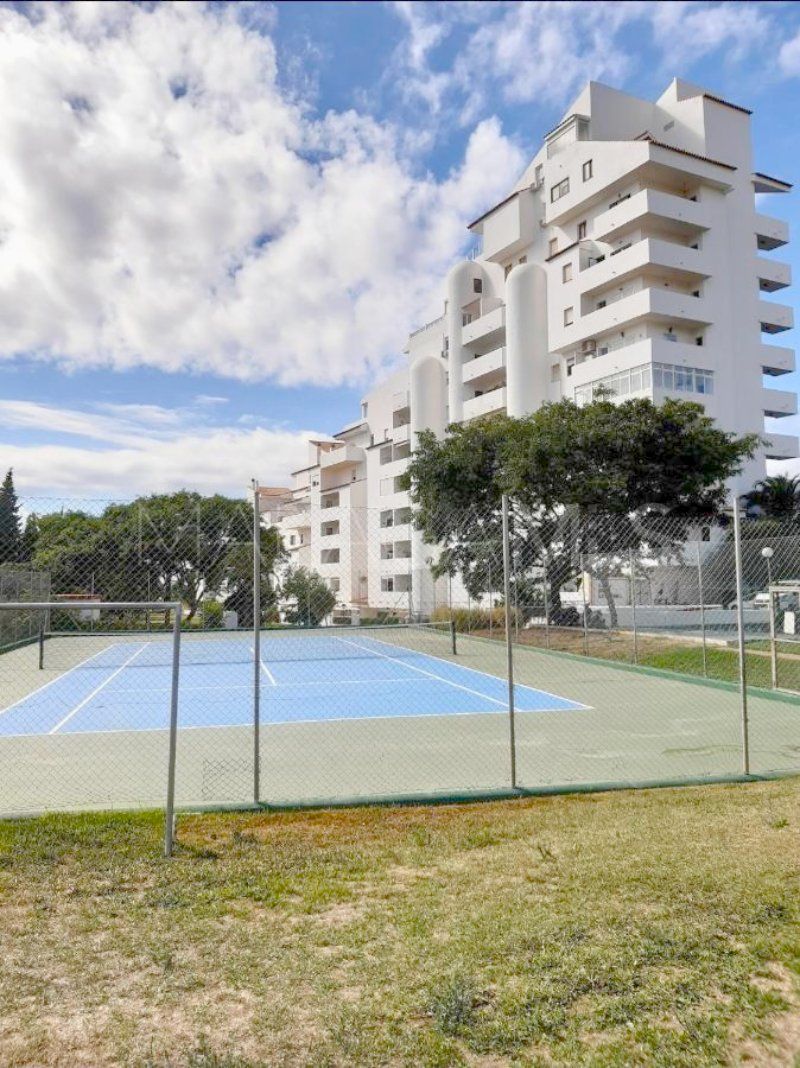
point(636, 726)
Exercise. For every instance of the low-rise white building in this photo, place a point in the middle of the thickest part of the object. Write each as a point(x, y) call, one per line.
point(630, 255)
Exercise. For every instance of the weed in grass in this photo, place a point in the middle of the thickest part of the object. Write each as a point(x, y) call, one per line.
point(454, 1006)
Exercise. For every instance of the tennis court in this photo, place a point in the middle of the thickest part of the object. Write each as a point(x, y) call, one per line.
point(356, 714)
point(125, 684)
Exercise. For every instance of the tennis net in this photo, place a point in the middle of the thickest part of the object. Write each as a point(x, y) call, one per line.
point(101, 650)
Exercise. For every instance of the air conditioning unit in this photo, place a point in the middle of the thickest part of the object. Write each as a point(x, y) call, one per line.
point(590, 345)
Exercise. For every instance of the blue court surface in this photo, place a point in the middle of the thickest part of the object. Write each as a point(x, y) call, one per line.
point(125, 685)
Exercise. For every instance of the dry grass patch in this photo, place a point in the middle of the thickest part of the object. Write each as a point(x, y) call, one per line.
point(656, 927)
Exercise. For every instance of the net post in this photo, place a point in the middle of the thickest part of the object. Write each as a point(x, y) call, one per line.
point(41, 641)
point(169, 817)
point(546, 602)
point(453, 636)
point(256, 645)
point(773, 641)
point(702, 610)
point(509, 643)
point(737, 547)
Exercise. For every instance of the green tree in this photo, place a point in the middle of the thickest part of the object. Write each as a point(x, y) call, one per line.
point(601, 480)
point(239, 577)
point(178, 546)
point(776, 497)
point(311, 598)
point(10, 523)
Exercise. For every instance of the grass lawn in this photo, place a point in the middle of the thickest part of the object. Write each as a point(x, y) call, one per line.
point(657, 927)
point(670, 653)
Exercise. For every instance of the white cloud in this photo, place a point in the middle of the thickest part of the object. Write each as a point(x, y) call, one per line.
point(144, 450)
point(546, 50)
point(789, 57)
point(165, 204)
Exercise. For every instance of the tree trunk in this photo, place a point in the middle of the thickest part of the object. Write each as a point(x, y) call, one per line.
point(605, 586)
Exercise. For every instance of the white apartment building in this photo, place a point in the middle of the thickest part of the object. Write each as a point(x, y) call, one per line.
point(629, 255)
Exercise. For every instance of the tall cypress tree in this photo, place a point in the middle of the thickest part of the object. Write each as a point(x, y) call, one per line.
point(10, 525)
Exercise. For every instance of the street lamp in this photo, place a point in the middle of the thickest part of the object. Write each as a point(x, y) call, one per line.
point(768, 552)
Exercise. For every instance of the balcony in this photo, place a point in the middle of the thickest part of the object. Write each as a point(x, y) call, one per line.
point(778, 403)
point(672, 213)
point(655, 302)
point(487, 330)
point(678, 262)
point(777, 360)
point(781, 446)
point(493, 401)
point(646, 350)
point(344, 455)
point(770, 233)
point(772, 274)
point(486, 370)
point(401, 433)
point(775, 318)
point(400, 400)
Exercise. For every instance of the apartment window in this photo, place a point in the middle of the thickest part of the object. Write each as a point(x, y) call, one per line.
point(587, 170)
point(569, 316)
point(387, 585)
point(559, 190)
point(555, 372)
point(566, 272)
point(699, 339)
point(570, 361)
point(477, 285)
point(695, 292)
point(621, 384)
point(466, 318)
point(581, 231)
point(683, 379)
point(336, 585)
point(387, 518)
point(552, 246)
point(364, 409)
point(538, 174)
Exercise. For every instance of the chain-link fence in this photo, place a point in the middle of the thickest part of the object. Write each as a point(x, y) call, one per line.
point(334, 654)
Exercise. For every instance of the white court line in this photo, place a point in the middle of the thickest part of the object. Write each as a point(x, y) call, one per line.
point(58, 678)
point(96, 691)
point(497, 678)
point(264, 667)
point(422, 671)
point(297, 722)
point(279, 685)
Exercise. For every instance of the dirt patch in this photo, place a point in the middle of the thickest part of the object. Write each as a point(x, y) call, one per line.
point(783, 1050)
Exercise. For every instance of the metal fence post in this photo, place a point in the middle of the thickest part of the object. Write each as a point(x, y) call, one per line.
point(509, 643)
point(546, 604)
point(702, 610)
point(585, 608)
point(633, 608)
point(169, 826)
point(256, 645)
point(737, 546)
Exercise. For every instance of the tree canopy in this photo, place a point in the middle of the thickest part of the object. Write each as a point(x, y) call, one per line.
point(180, 546)
point(603, 479)
point(11, 544)
point(775, 497)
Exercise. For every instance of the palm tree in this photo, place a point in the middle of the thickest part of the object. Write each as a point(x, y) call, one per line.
point(776, 497)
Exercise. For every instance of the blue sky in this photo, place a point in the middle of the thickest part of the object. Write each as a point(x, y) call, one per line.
point(219, 222)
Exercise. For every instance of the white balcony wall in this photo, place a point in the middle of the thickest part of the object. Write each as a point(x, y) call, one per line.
point(493, 401)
